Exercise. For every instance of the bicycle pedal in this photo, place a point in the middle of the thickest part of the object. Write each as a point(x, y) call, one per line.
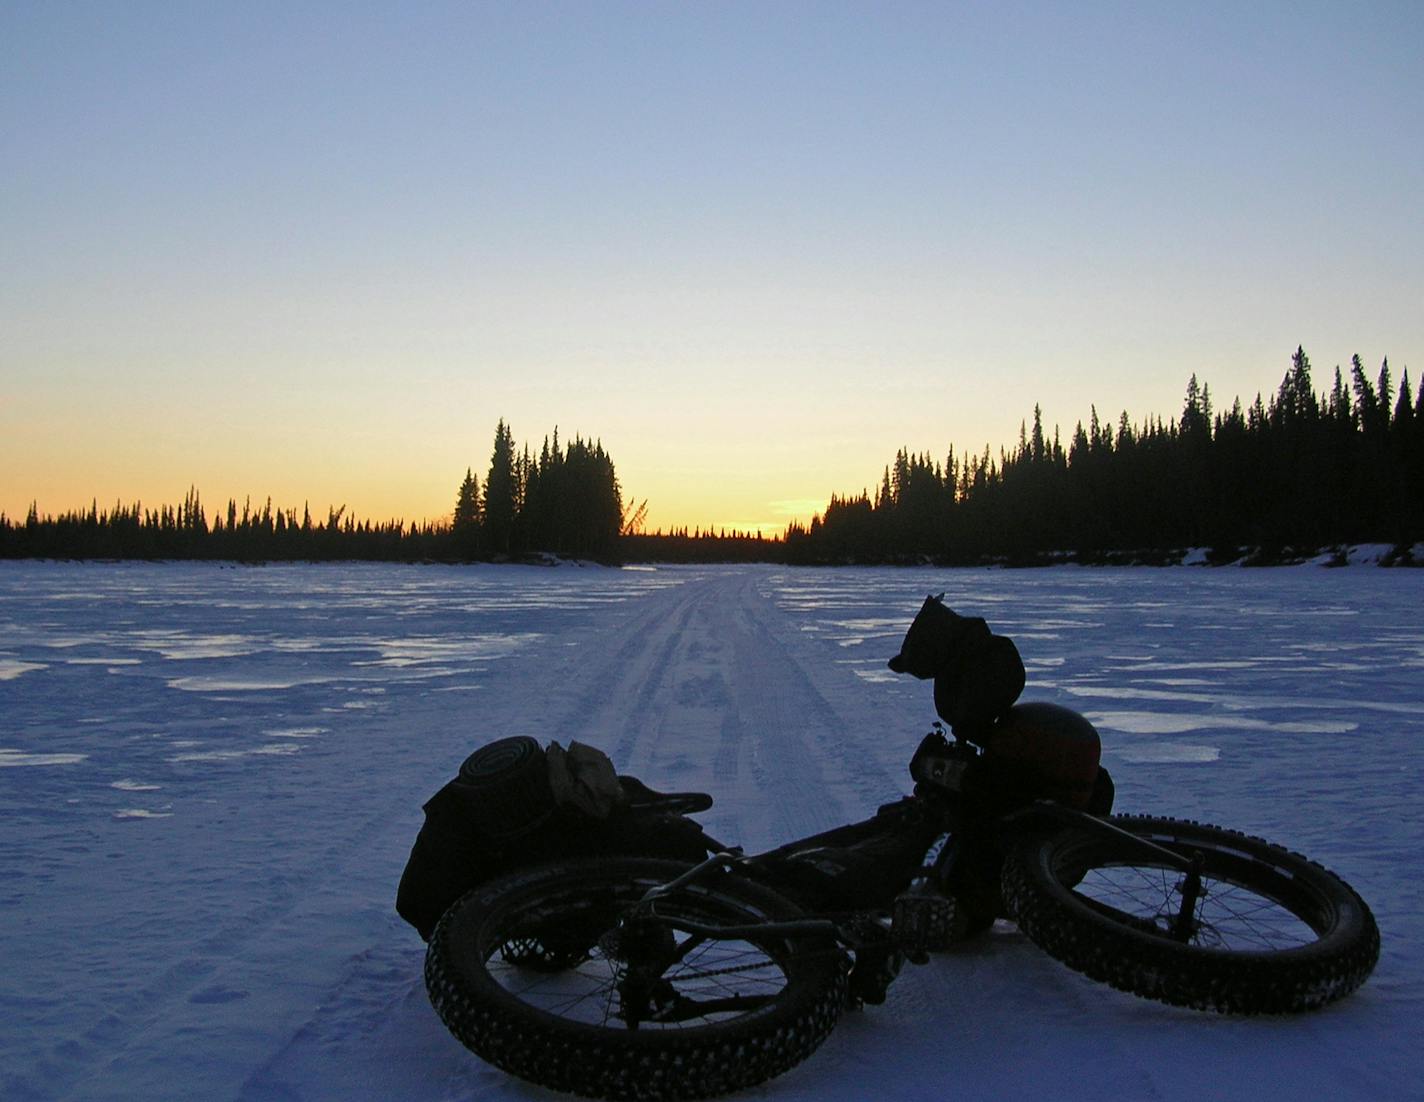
point(875, 969)
point(922, 922)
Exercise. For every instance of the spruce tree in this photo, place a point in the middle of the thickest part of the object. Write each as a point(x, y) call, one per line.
point(1366, 404)
point(500, 492)
point(465, 526)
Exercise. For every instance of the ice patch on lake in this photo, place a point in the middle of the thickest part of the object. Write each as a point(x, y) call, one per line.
point(12, 758)
point(887, 633)
point(1151, 665)
point(200, 684)
point(296, 732)
point(10, 669)
point(1166, 723)
point(419, 651)
point(871, 626)
point(181, 646)
point(277, 749)
point(1125, 692)
point(1168, 753)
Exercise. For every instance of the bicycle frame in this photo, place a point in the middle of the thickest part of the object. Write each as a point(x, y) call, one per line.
point(824, 926)
point(726, 860)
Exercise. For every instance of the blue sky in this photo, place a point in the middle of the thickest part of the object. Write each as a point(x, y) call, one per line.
point(316, 250)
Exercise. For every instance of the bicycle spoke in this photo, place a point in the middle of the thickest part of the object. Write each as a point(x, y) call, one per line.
point(707, 980)
point(1228, 915)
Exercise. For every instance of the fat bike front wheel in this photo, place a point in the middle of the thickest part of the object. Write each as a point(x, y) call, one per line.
point(1264, 931)
point(541, 973)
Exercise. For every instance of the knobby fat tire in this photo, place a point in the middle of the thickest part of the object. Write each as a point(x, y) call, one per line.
point(1041, 873)
point(611, 1061)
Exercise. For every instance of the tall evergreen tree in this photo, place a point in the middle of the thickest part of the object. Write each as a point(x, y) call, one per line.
point(501, 492)
point(1404, 408)
point(1366, 404)
point(465, 525)
point(467, 503)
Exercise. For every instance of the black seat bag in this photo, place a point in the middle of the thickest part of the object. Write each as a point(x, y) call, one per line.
point(461, 845)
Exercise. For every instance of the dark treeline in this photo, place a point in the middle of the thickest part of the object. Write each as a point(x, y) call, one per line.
point(565, 501)
point(244, 534)
point(1301, 472)
point(700, 545)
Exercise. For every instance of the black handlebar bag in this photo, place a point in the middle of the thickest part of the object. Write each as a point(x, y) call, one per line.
point(977, 675)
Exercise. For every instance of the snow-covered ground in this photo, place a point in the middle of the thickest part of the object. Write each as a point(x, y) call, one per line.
point(210, 778)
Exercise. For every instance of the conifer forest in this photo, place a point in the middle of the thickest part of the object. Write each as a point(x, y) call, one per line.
point(564, 501)
point(1277, 479)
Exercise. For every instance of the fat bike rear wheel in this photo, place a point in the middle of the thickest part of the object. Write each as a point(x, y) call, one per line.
point(1270, 932)
point(540, 974)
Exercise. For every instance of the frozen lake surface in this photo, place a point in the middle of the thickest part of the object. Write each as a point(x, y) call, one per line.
point(211, 776)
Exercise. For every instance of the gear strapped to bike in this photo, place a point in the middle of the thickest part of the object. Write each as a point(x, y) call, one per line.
point(586, 934)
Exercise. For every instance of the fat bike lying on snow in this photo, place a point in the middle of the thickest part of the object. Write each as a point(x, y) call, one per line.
point(586, 934)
